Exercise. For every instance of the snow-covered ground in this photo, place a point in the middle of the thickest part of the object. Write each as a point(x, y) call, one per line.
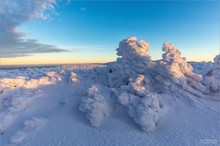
point(132, 101)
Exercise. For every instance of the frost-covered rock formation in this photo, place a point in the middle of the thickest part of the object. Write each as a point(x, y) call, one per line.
point(212, 78)
point(176, 68)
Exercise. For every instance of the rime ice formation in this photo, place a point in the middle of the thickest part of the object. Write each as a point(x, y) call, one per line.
point(212, 78)
point(127, 80)
point(73, 78)
point(1, 90)
point(142, 105)
point(27, 82)
point(133, 59)
point(133, 80)
point(179, 71)
point(217, 61)
point(161, 93)
point(95, 105)
point(133, 54)
point(49, 114)
point(130, 84)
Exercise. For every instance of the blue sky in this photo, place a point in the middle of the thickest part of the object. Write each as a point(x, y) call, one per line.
point(91, 30)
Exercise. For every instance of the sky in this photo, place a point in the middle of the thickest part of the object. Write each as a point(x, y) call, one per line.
point(68, 31)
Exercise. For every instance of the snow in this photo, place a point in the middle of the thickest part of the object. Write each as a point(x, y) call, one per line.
point(95, 105)
point(132, 101)
point(212, 78)
point(141, 105)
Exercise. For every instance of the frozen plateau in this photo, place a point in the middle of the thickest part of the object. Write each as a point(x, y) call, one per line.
point(133, 101)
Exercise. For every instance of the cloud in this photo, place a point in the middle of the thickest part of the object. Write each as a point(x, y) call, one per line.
point(12, 14)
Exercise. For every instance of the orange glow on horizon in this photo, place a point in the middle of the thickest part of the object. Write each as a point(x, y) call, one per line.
point(37, 61)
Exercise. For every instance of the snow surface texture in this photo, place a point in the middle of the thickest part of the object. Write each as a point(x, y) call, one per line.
point(29, 127)
point(133, 101)
point(18, 92)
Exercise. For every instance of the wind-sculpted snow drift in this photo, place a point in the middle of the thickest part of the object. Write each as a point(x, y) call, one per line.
point(134, 82)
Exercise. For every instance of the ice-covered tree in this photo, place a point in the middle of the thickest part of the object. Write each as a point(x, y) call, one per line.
point(212, 78)
point(133, 59)
point(142, 105)
point(129, 80)
point(96, 104)
point(217, 61)
point(179, 71)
